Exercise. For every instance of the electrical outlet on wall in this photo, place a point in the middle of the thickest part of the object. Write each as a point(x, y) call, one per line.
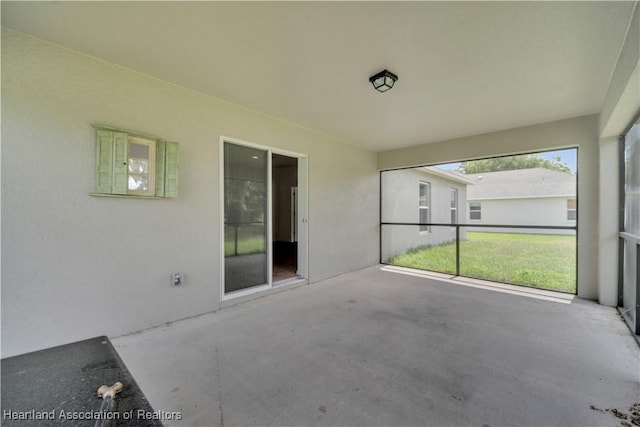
point(177, 279)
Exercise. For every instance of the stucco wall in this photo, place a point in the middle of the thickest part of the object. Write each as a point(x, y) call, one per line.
point(400, 200)
point(76, 266)
point(581, 132)
point(621, 105)
point(622, 100)
point(525, 211)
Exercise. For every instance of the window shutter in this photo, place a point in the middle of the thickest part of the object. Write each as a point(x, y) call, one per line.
point(104, 161)
point(160, 167)
point(120, 158)
point(171, 170)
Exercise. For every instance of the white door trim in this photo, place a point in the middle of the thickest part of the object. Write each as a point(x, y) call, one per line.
point(303, 246)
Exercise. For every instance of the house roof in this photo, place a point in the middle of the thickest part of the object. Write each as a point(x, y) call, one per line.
point(522, 183)
point(450, 175)
point(464, 67)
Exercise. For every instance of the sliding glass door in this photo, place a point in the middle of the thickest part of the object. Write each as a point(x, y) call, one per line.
point(246, 177)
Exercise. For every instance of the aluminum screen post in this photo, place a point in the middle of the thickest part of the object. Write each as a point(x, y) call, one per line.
point(457, 250)
point(621, 243)
point(637, 301)
point(621, 201)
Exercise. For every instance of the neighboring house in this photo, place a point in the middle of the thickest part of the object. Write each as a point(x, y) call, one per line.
point(535, 196)
point(421, 195)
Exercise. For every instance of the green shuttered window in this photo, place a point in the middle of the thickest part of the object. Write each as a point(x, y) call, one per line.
point(129, 164)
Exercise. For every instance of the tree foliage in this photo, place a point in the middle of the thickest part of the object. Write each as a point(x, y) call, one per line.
point(525, 161)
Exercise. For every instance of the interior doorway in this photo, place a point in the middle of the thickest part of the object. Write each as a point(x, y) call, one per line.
point(284, 177)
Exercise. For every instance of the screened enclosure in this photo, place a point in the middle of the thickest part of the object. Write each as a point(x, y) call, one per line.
point(511, 220)
point(629, 252)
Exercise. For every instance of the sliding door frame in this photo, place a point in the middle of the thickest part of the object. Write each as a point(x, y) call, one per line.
point(303, 244)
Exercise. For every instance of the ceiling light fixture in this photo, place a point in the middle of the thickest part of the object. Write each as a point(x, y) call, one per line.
point(383, 81)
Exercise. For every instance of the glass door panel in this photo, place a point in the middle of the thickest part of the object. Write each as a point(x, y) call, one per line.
point(245, 217)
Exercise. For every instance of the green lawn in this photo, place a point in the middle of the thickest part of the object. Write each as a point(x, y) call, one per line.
point(251, 239)
point(538, 260)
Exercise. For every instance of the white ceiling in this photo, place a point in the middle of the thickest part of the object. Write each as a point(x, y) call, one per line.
point(464, 68)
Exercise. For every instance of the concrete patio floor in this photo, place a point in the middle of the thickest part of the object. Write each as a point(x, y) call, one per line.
point(375, 347)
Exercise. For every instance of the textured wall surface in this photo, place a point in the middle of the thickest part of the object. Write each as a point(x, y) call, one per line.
point(526, 211)
point(77, 266)
point(400, 200)
point(621, 105)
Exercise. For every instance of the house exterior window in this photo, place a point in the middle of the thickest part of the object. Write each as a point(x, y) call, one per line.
point(475, 211)
point(454, 206)
point(135, 165)
point(571, 210)
point(424, 206)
